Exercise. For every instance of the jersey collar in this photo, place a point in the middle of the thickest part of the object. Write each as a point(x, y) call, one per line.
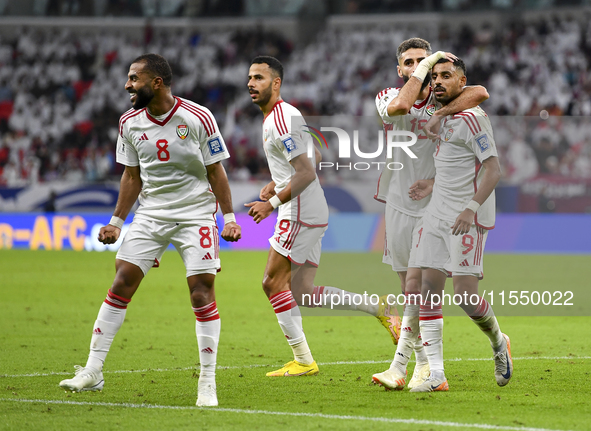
point(276, 103)
point(167, 119)
point(424, 102)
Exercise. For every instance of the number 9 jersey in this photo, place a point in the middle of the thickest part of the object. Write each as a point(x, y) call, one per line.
point(172, 152)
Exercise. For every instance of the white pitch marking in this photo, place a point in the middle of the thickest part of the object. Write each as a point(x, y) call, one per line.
point(296, 414)
point(161, 370)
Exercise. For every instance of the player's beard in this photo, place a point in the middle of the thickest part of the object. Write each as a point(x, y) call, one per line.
point(143, 98)
point(426, 82)
point(265, 96)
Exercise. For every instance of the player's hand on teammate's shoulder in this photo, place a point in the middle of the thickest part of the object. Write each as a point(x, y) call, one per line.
point(109, 234)
point(232, 232)
point(421, 189)
point(267, 192)
point(259, 210)
point(463, 222)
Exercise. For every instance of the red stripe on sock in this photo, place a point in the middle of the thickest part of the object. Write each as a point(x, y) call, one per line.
point(428, 311)
point(482, 309)
point(207, 313)
point(282, 301)
point(120, 298)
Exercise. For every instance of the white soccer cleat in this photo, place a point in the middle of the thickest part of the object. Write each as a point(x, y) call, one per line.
point(206, 395)
point(85, 379)
point(504, 363)
point(432, 385)
point(419, 375)
point(391, 380)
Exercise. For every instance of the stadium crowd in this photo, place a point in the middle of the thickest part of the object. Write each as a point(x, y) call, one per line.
point(61, 94)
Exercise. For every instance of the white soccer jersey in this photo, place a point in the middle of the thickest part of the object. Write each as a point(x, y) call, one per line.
point(172, 153)
point(393, 186)
point(282, 143)
point(467, 141)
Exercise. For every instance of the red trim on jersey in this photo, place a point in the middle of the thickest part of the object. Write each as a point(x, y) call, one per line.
point(206, 119)
point(477, 168)
point(424, 102)
point(129, 114)
point(276, 103)
point(280, 120)
point(474, 120)
point(167, 119)
point(307, 224)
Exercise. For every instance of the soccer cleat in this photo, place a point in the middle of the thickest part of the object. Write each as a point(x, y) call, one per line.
point(432, 385)
point(85, 379)
point(388, 317)
point(504, 363)
point(390, 380)
point(294, 369)
point(206, 395)
point(419, 375)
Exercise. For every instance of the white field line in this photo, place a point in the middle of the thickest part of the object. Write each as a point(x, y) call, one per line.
point(283, 414)
point(161, 370)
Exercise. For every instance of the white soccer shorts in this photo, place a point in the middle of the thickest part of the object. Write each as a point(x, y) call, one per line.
point(147, 240)
point(400, 231)
point(438, 248)
point(299, 243)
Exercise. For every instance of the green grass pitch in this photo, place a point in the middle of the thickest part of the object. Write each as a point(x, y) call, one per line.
point(49, 301)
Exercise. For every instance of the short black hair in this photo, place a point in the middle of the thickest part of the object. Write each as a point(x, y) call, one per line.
point(415, 42)
point(458, 63)
point(274, 64)
point(157, 66)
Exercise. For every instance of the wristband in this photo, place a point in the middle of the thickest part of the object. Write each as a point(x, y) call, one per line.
point(275, 201)
point(117, 222)
point(427, 64)
point(229, 218)
point(473, 206)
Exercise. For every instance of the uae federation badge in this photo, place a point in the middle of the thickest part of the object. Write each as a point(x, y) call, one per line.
point(182, 130)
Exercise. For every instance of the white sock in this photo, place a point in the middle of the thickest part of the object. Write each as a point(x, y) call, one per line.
point(431, 324)
point(339, 299)
point(409, 332)
point(207, 329)
point(420, 355)
point(485, 319)
point(109, 320)
point(290, 320)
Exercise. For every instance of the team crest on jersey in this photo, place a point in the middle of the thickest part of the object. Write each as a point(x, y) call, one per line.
point(182, 130)
point(289, 145)
point(430, 109)
point(482, 142)
point(448, 134)
point(215, 146)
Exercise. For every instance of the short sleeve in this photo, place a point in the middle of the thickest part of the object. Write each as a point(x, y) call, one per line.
point(126, 153)
point(383, 99)
point(484, 146)
point(294, 141)
point(213, 147)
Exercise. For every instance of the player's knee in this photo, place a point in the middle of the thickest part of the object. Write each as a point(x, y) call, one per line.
point(271, 285)
point(412, 286)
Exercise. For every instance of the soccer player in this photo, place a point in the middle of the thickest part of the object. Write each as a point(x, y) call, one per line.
point(172, 151)
point(409, 108)
point(456, 224)
point(302, 218)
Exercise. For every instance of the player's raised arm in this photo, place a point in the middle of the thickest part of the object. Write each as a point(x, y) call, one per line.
point(413, 86)
point(129, 190)
point(490, 179)
point(471, 97)
point(221, 189)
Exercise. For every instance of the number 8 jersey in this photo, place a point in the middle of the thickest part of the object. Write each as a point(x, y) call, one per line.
point(172, 152)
